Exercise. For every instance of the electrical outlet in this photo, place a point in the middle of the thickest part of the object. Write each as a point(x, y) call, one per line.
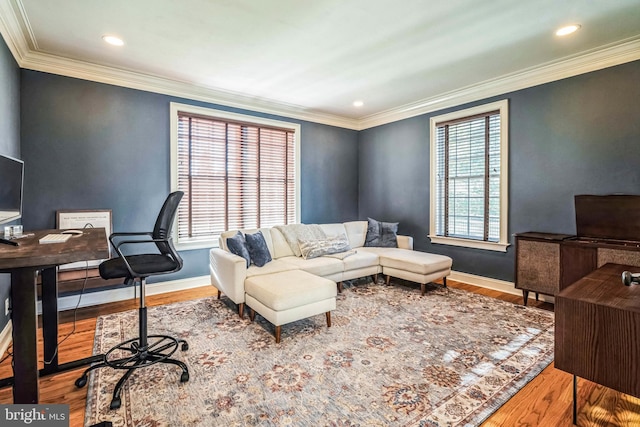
point(6, 306)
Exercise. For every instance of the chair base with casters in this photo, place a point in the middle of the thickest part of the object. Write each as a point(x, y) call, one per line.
point(139, 352)
point(144, 350)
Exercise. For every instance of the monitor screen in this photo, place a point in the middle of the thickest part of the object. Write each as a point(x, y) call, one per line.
point(11, 177)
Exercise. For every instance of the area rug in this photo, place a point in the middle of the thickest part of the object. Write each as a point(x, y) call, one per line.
point(391, 358)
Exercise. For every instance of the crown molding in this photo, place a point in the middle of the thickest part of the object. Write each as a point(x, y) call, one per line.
point(19, 37)
point(603, 57)
point(39, 61)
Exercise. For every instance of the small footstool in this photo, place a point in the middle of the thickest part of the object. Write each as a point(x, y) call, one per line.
point(288, 296)
point(416, 266)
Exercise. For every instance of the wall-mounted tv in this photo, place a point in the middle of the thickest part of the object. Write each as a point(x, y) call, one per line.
point(11, 183)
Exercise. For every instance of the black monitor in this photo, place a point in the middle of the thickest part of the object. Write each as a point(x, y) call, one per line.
point(11, 183)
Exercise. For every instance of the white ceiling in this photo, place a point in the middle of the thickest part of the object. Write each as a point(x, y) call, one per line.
point(314, 58)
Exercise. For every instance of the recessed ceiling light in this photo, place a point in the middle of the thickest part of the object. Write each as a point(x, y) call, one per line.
point(569, 29)
point(116, 41)
point(358, 103)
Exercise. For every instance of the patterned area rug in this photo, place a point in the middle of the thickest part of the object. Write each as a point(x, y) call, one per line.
point(391, 357)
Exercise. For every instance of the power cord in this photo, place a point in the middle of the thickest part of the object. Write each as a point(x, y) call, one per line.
point(75, 314)
point(75, 310)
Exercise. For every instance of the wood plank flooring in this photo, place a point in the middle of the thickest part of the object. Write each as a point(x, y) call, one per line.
point(545, 401)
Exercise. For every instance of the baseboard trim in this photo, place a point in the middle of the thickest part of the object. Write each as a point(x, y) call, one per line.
point(6, 336)
point(113, 295)
point(494, 284)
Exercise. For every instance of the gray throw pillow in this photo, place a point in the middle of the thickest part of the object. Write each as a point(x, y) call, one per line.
point(381, 234)
point(258, 249)
point(237, 245)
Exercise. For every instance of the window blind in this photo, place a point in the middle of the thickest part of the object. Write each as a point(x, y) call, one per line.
point(234, 175)
point(468, 178)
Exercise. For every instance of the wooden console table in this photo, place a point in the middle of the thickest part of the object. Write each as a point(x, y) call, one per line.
point(547, 263)
point(597, 332)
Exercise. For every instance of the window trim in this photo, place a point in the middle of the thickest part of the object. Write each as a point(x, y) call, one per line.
point(176, 108)
point(503, 108)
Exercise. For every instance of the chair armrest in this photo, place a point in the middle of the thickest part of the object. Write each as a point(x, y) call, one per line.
point(405, 242)
point(228, 272)
point(172, 252)
point(115, 242)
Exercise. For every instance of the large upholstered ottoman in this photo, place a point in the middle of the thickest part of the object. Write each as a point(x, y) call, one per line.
point(420, 267)
point(288, 296)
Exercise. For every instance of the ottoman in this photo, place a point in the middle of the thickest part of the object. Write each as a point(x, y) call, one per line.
point(288, 296)
point(420, 267)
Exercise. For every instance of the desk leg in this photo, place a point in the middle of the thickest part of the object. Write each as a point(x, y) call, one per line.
point(50, 319)
point(25, 329)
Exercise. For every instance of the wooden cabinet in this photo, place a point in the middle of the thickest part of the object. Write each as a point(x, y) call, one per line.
point(546, 263)
point(539, 263)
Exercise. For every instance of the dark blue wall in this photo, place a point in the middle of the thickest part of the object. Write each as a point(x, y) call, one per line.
point(575, 136)
point(88, 145)
point(93, 146)
point(9, 136)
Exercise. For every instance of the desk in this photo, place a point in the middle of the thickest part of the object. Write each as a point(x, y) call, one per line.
point(597, 334)
point(24, 262)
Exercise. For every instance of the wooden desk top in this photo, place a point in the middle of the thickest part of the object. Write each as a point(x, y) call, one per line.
point(603, 287)
point(92, 244)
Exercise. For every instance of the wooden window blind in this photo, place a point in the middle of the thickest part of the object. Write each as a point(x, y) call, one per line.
point(234, 175)
point(468, 178)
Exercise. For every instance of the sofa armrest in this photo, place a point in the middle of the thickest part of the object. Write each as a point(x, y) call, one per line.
point(405, 242)
point(228, 272)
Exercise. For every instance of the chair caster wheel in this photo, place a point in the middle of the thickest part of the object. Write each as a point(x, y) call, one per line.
point(184, 377)
point(115, 403)
point(81, 382)
point(185, 346)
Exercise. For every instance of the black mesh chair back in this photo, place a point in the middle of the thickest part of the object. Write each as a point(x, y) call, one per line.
point(131, 267)
point(162, 229)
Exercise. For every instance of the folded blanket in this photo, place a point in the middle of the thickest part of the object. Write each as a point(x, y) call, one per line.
point(294, 232)
point(319, 247)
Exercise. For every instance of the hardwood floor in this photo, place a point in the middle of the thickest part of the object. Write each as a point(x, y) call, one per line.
point(545, 401)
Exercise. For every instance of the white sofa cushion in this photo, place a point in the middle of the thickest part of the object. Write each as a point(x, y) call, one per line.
point(334, 229)
point(280, 246)
point(290, 289)
point(413, 261)
point(322, 266)
point(275, 266)
point(356, 233)
point(360, 259)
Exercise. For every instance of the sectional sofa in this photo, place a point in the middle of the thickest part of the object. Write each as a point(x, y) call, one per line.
point(230, 273)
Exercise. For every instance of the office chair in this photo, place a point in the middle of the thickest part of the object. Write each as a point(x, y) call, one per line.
point(146, 349)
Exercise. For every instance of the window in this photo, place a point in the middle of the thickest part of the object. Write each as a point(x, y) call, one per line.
point(236, 172)
point(469, 154)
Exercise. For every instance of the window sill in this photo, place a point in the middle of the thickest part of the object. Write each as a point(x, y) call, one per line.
point(467, 243)
point(188, 245)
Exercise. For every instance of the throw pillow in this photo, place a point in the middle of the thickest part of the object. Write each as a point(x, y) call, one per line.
point(258, 249)
point(238, 245)
point(381, 234)
point(330, 245)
